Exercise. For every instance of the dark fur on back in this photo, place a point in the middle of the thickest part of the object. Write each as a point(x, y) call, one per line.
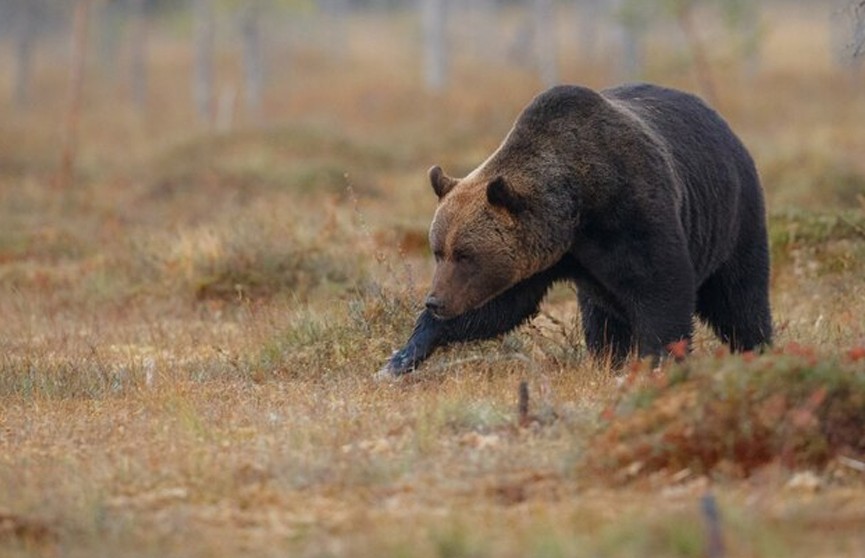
point(640, 195)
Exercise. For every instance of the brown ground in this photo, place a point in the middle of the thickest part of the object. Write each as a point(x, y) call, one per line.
point(189, 334)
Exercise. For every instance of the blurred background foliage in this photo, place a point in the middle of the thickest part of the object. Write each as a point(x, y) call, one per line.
point(130, 130)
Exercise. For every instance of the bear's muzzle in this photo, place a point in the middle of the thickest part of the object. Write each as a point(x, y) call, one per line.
point(435, 306)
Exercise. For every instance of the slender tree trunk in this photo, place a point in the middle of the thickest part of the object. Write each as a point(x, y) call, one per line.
point(478, 22)
point(751, 26)
point(702, 67)
point(23, 52)
point(433, 22)
point(203, 79)
point(253, 66)
point(335, 14)
point(632, 55)
point(76, 85)
point(589, 21)
point(138, 62)
point(111, 17)
point(631, 24)
point(225, 109)
point(545, 41)
point(858, 28)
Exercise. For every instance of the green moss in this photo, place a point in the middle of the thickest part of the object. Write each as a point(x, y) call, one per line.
point(802, 227)
point(829, 242)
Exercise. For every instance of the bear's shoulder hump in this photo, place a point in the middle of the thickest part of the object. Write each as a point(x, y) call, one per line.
point(563, 99)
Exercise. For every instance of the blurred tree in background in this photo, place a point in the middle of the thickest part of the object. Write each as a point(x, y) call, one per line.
point(434, 24)
point(609, 35)
point(847, 20)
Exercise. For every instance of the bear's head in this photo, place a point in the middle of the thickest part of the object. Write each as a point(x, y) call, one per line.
point(484, 239)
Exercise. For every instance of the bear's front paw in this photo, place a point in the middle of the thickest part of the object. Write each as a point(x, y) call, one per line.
point(401, 362)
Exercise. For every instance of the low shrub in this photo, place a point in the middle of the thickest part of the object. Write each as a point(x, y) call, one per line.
point(792, 406)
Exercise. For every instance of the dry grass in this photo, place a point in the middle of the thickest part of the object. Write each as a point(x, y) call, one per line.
point(188, 338)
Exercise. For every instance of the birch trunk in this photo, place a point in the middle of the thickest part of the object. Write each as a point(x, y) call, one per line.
point(23, 53)
point(433, 21)
point(253, 67)
point(76, 85)
point(203, 79)
point(545, 41)
point(138, 55)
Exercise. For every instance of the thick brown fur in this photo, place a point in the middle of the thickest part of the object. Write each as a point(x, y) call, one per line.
point(640, 195)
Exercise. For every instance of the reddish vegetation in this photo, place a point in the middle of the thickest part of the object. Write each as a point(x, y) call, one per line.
point(743, 412)
point(678, 350)
point(856, 353)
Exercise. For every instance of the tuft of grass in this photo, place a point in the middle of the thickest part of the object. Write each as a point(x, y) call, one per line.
point(304, 161)
point(69, 378)
point(456, 542)
point(681, 536)
point(799, 227)
point(317, 347)
point(263, 274)
point(823, 242)
point(247, 259)
point(818, 175)
point(737, 413)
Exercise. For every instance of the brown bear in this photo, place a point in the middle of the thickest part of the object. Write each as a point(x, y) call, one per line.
point(640, 195)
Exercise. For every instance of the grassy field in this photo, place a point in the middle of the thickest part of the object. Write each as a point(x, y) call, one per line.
point(189, 334)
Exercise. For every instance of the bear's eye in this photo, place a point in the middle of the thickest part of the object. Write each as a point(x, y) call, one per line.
point(461, 256)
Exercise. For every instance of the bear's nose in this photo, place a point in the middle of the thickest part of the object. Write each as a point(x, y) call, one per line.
point(434, 305)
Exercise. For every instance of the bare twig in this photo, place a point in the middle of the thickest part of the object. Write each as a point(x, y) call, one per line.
point(714, 538)
point(854, 464)
point(203, 77)
point(859, 39)
point(853, 225)
point(523, 403)
point(702, 67)
point(76, 85)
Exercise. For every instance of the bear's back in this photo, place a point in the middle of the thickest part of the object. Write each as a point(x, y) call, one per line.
point(702, 144)
point(714, 167)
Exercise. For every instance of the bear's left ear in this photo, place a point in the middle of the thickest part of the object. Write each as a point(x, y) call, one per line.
point(441, 183)
point(501, 195)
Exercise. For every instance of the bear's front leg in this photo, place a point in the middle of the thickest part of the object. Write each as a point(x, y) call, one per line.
point(500, 315)
point(662, 311)
point(651, 279)
point(424, 339)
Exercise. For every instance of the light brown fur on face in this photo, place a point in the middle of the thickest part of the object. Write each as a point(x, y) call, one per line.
point(474, 245)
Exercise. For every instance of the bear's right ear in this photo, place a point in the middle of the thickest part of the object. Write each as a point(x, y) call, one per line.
point(441, 183)
point(500, 194)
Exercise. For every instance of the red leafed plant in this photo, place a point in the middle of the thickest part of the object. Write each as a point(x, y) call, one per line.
point(792, 407)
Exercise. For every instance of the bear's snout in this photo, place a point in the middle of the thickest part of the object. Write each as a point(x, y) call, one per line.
point(434, 305)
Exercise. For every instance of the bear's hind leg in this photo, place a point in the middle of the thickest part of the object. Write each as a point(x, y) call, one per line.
point(735, 304)
point(608, 338)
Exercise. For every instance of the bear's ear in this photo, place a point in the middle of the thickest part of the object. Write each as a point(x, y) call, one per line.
point(441, 183)
point(501, 195)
